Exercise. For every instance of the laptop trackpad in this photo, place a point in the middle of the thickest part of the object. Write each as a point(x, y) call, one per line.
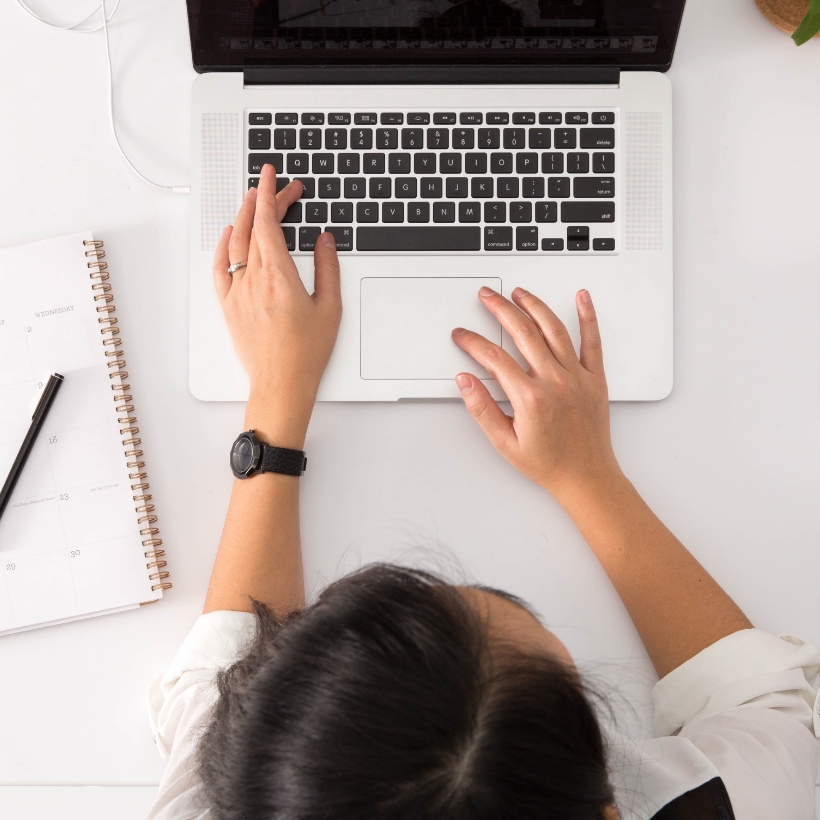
point(406, 325)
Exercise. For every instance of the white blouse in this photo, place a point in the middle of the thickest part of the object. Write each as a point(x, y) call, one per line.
point(744, 709)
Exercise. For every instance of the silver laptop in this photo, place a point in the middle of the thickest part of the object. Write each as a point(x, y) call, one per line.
point(447, 144)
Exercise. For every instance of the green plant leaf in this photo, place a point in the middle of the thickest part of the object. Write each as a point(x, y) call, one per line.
point(810, 24)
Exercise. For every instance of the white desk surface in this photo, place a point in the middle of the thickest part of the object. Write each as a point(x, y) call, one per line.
point(729, 461)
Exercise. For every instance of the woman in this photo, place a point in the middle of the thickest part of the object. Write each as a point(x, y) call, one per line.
point(399, 696)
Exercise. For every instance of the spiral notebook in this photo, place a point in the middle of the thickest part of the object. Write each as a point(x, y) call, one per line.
point(79, 536)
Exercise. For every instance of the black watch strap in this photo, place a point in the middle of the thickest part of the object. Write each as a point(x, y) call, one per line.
point(282, 460)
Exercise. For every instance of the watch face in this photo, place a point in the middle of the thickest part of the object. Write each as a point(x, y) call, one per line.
point(243, 456)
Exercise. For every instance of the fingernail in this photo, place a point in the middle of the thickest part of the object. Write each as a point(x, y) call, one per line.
point(328, 240)
point(485, 291)
point(267, 168)
point(464, 383)
point(225, 229)
point(519, 293)
point(250, 193)
point(586, 298)
point(459, 331)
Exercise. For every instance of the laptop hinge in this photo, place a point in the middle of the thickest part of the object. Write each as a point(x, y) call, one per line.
point(431, 75)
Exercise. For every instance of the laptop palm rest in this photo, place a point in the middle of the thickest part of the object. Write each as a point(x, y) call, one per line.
point(406, 324)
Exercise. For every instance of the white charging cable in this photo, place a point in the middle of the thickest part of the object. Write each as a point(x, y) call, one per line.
point(76, 28)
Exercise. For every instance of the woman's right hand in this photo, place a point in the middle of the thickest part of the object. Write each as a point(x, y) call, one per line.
point(559, 433)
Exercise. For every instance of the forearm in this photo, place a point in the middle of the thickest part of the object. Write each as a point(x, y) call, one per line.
point(676, 606)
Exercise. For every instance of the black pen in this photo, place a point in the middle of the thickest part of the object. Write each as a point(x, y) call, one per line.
point(40, 413)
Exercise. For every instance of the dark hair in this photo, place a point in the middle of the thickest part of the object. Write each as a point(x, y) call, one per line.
point(387, 700)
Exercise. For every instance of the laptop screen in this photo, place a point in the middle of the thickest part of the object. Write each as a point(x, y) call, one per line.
point(235, 34)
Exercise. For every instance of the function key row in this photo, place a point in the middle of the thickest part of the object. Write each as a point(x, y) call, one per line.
point(439, 118)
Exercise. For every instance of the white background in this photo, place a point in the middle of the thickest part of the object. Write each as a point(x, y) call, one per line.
point(729, 461)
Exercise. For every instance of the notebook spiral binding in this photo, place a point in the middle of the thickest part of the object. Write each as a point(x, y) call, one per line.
point(146, 512)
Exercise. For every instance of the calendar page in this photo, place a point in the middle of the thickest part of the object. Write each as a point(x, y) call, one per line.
point(70, 542)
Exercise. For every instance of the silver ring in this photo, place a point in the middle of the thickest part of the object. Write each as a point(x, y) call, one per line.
point(237, 265)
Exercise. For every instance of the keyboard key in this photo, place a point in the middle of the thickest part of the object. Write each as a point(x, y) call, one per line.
point(507, 188)
point(456, 187)
point(286, 119)
point(365, 119)
point(259, 119)
point(603, 244)
point(498, 118)
point(419, 238)
point(481, 187)
point(444, 118)
point(469, 212)
point(495, 211)
point(330, 188)
point(603, 117)
point(336, 139)
point(310, 139)
point(521, 212)
point(361, 138)
point(256, 161)
point(438, 138)
point(593, 187)
point(290, 237)
point(603, 163)
point(489, 137)
point(387, 139)
point(444, 212)
point(398, 163)
point(576, 118)
point(546, 211)
point(412, 138)
point(418, 119)
point(392, 212)
point(597, 138)
point(515, 138)
point(313, 119)
point(424, 164)
point(259, 139)
point(418, 212)
point(578, 244)
point(449, 163)
point(367, 211)
point(463, 138)
point(373, 164)
point(431, 188)
point(323, 163)
point(284, 139)
point(343, 236)
point(308, 237)
point(348, 163)
point(578, 163)
point(338, 119)
point(406, 188)
point(355, 187)
point(316, 212)
point(501, 163)
point(540, 138)
point(565, 137)
point(578, 232)
point(341, 211)
point(392, 119)
point(526, 163)
point(253, 182)
point(552, 163)
point(552, 244)
point(475, 163)
point(308, 187)
point(380, 187)
point(549, 118)
point(281, 183)
point(293, 214)
point(558, 187)
point(498, 238)
point(298, 164)
point(524, 118)
point(470, 118)
point(532, 187)
point(587, 211)
point(526, 238)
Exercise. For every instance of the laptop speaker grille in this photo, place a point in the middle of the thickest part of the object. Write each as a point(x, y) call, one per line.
point(220, 175)
point(644, 181)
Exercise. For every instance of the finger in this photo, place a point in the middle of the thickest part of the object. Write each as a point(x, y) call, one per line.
point(485, 410)
point(524, 332)
point(551, 326)
point(241, 234)
point(222, 279)
point(291, 193)
point(266, 228)
point(500, 365)
point(592, 352)
point(327, 288)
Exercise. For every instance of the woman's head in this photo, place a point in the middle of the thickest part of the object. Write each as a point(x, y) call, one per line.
point(399, 697)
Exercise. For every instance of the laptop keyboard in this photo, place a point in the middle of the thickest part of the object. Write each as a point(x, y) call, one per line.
point(532, 181)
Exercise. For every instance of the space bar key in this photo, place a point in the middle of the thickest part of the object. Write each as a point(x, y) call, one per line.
point(419, 238)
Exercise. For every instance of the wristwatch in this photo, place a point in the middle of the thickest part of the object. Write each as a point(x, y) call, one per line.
point(250, 456)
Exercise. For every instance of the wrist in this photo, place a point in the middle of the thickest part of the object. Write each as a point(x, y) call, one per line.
point(279, 420)
point(580, 492)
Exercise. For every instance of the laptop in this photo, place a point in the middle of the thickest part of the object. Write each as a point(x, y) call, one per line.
point(447, 144)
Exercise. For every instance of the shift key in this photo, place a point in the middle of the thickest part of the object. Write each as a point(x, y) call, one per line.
point(583, 212)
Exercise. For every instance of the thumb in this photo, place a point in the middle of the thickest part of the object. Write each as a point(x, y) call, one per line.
point(327, 289)
point(485, 410)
